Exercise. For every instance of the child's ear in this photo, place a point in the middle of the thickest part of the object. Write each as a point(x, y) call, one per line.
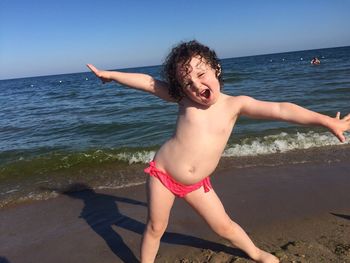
point(218, 71)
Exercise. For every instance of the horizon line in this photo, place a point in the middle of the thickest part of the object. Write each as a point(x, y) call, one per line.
point(145, 66)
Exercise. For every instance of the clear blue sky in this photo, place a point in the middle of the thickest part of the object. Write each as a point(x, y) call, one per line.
point(43, 37)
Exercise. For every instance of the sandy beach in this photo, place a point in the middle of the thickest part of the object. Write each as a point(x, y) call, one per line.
point(254, 94)
point(300, 212)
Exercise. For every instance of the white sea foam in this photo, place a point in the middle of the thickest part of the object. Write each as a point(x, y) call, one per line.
point(120, 186)
point(138, 157)
point(282, 142)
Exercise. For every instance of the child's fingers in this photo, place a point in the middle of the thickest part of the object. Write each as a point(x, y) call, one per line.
point(92, 68)
point(341, 137)
point(347, 117)
point(98, 73)
point(338, 115)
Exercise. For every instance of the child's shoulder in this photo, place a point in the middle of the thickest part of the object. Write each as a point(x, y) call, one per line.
point(236, 103)
point(236, 100)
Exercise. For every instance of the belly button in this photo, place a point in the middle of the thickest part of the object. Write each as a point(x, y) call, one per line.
point(192, 170)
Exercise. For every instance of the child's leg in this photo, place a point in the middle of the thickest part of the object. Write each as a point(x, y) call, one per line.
point(209, 206)
point(160, 201)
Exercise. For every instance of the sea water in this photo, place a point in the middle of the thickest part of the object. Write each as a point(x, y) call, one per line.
point(55, 127)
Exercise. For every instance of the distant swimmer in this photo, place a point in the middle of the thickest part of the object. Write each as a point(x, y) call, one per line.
point(315, 61)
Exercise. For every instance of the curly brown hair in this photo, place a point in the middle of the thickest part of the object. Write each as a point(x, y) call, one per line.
point(182, 55)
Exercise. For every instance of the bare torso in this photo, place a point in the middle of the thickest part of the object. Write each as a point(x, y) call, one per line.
point(194, 151)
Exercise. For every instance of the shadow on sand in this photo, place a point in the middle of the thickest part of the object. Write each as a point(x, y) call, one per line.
point(4, 260)
point(341, 216)
point(101, 213)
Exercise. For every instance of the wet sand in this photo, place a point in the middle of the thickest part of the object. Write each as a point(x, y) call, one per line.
point(299, 212)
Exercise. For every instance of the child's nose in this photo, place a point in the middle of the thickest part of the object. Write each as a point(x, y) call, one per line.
point(197, 85)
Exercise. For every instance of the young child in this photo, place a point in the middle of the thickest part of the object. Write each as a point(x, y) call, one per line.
point(206, 117)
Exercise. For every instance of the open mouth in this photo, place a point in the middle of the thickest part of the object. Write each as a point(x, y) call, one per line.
point(205, 93)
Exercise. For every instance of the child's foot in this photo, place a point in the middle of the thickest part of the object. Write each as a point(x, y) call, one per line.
point(265, 257)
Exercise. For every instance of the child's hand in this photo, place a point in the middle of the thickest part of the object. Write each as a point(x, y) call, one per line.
point(339, 126)
point(102, 75)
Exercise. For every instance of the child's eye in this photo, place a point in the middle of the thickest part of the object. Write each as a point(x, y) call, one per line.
point(201, 74)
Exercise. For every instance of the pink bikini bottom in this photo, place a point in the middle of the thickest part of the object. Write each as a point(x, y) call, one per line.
point(178, 189)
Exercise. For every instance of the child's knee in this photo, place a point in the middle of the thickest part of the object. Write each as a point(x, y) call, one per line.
point(156, 229)
point(225, 229)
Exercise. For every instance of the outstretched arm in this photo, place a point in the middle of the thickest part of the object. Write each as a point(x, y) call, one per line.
point(290, 112)
point(137, 81)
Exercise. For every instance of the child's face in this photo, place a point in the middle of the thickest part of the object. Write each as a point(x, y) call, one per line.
point(200, 84)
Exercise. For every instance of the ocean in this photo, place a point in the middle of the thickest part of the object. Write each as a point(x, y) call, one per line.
point(62, 129)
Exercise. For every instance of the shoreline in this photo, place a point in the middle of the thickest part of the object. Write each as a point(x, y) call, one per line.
point(299, 212)
point(25, 189)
